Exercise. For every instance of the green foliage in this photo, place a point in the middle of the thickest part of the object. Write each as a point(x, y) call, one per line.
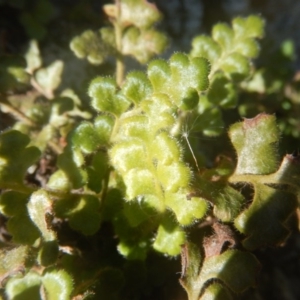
point(12, 262)
point(82, 213)
point(15, 158)
point(229, 51)
point(224, 267)
point(13, 205)
point(242, 136)
point(95, 46)
point(55, 284)
point(13, 75)
point(125, 188)
point(134, 22)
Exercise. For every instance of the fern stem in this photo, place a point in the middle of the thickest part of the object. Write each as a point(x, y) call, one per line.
point(19, 115)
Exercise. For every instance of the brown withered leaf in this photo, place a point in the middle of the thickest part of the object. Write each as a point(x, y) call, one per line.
point(222, 239)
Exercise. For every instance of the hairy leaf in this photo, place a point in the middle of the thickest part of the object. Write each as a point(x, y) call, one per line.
point(27, 287)
point(224, 267)
point(13, 205)
point(255, 141)
point(169, 237)
point(141, 13)
point(143, 44)
point(15, 158)
point(105, 97)
point(12, 261)
point(39, 206)
point(82, 212)
point(93, 45)
point(58, 285)
point(263, 221)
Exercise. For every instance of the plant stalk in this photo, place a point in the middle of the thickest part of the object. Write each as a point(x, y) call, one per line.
point(19, 115)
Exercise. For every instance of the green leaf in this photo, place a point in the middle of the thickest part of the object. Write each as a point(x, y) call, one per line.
point(137, 212)
point(48, 253)
point(205, 46)
point(25, 234)
point(13, 74)
point(186, 210)
point(223, 35)
point(105, 97)
point(182, 80)
point(222, 92)
point(70, 162)
point(255, 141)
point(252, 26)
point(164, 149)
point(136, 87)
point(85, 138)
point(128, 155)
point(20, 226)
point(77, 103)
point(143, 44)
point(97, 171)
point(104, 125)
point(236, 66)
point(227, 201)
point(140, 13)
point(113, 204)
point(49, 78)
point(39, 206)
point(12, 261)
point(33, 57)
point(191, 260)
point(210, 120)
point(226, 268)
point(139, 182)
point(41, 140)
point(27, 287)
point(83, 213)
point(59, 181)
point(247, 47)
point(93, 45)
point(60, 108)
point(169, 237)
point(288, 172)
point(58, 285)
point(158, 73)
point(134, 126)
point(134, 250)
point(174, 176)
point(263, 221)
point(216, 291)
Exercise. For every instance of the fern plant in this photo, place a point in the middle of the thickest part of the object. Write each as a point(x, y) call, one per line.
point(127, 189)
